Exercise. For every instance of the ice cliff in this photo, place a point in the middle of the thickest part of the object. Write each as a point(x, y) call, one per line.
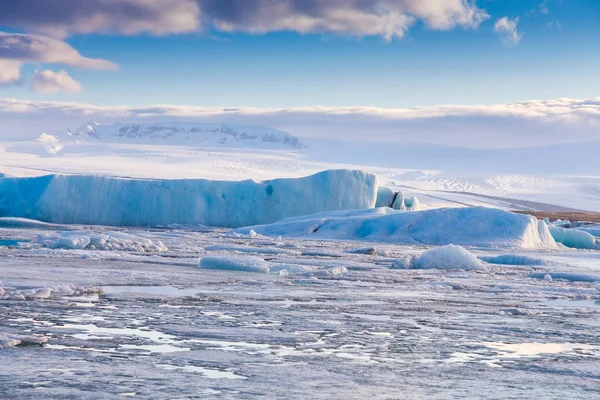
point(97, 200)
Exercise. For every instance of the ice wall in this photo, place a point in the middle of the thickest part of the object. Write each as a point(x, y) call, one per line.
point(95, 200)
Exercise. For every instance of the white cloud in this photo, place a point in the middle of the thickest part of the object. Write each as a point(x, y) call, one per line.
point(41, 49)
point(17, 49)
point(520, 124)
point(10, 72)
point(51, 82)
point(507, 29)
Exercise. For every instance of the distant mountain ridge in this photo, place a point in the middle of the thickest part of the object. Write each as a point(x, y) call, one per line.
point(187, 133)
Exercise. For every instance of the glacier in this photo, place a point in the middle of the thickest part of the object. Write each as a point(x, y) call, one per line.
point(472, 226)
point(100, 200)
point(186, 133)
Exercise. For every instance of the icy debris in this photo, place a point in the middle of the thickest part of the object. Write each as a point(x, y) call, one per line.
point(446, 257)
point(474, 226)
point(115, 241)
point(10, 340)
point(235, 263)
point(574, 238)
point(514, 259)
point(567, 276)
point(98, 200)
point(59, 290)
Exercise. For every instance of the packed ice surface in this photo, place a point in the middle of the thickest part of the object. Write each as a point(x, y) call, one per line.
point(476, 226)
point(95, 200)
point(444, 257)
point(575, 238)
point(235, 263)
point(116, 241)
point(334, 315)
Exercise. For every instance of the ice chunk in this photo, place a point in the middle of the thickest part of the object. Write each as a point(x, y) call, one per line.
point(94, 200)
point(385, 197)
point(474, 226)
point(398, 203)
point(235, 263)
point(446, 257)
point(574, 238)
point(412, 204)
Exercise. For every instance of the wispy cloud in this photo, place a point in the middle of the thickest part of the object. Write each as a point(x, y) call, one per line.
point(507, 29)
point(51, 82)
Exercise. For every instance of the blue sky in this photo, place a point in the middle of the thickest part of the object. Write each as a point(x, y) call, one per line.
point(553, 53)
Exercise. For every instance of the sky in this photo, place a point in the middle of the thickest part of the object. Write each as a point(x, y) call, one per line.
point(370, 59)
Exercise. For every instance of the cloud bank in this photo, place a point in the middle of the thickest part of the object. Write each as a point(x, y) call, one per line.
point(385, 18)
point(529, 123)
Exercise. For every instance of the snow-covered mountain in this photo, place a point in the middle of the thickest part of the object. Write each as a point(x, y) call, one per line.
point(187, 133)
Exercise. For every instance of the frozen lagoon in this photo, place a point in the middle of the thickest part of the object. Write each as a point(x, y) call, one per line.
point(331, 319)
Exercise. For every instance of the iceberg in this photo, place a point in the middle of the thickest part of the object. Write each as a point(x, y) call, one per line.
point(98, 200)
point(574, 238)
point(472, 226)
